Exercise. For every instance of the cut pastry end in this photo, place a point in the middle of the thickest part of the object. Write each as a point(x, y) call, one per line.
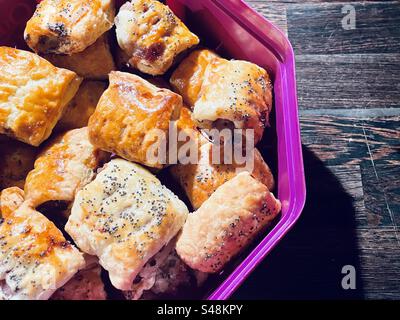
point(68, 26)
point(151, 35)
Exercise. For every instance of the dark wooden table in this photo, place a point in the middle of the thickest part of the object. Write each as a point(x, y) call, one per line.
point(348, 84)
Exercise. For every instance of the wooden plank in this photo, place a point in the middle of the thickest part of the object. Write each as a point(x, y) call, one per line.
point(307, 264)
point(317, 28)
point(381, 186)
point(348, 81)
point(361, 157)
point(337, 140)
point(275, 12)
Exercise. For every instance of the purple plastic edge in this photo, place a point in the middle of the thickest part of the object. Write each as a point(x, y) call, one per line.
point(293, 152)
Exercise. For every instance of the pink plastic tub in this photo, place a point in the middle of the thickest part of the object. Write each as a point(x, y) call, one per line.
point(238, 31)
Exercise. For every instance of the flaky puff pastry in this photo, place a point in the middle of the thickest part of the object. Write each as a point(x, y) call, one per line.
point(225, 223)
point(68, 26)
point(162, 275)
point(151, 35)
point(33, 95)
point(82, 106)
point(237, 91)
point(200, 180)
point(95, 62)
point(35, 258)
point(85, 285)
point(67, 164)
point(188, 77)
point(16, 160)
point(132, 116)
point(124, 216)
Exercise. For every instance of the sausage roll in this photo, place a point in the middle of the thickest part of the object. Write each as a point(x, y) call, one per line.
point(200, 180)
point(85, 285)
point(95, 62)
point(16, 161)
point(237, 91)
point(226, 223)
point(151, 35)
point(82, 106)
point(187, 79)
point(33, 95)
point(35, 258)
point(67, 164)
point(124, 216)
point(162, 275)
point(68, 26)
point(132, 119)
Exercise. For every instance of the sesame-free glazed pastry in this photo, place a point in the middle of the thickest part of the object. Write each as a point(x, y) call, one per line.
point(95, 62)
point(188, 77)
point(16, 160)
point(226, 223)
point(124, 216)
point(82, 106)
point(35, 258)
point(33, 95)
point(133, 116)
point(236, 91)
point(68, 26)
point(67, 164)
point(85, 285)
point(200, 180)
point(151, 35)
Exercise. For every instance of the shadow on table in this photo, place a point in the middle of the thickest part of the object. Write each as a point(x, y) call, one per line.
point(307, 264)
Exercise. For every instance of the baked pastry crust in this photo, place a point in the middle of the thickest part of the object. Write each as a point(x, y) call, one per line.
point(124, 216)
point(130, 116)
point(200, 180)
point(85, 285)
point(33, 95)
point(226, 223)
point(16, 161)
point(68, 26)
point(151, 35)
point(237, 91)
point(66, 165)
point(82, 106)
point(95, 62)
point(161, 276)
point(188, 77)
point(35, 258)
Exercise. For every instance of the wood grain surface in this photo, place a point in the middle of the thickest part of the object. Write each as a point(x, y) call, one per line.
point(348, 84)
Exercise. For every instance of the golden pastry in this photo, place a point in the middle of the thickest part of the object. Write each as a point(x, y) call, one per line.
point(95, 62)
point(124, 216)
point(66, 165)
point(85, 285)
point(35, 258)
point(82, 106)
point(187, 79)
point(68, 26)
point(226, 223)
point(236, 91)
point(16, 161)
point(201, 179)
point(133, 116)
point(33, 95)
point(151, 35)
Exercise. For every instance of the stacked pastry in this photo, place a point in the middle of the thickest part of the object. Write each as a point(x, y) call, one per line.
point(79, 196)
